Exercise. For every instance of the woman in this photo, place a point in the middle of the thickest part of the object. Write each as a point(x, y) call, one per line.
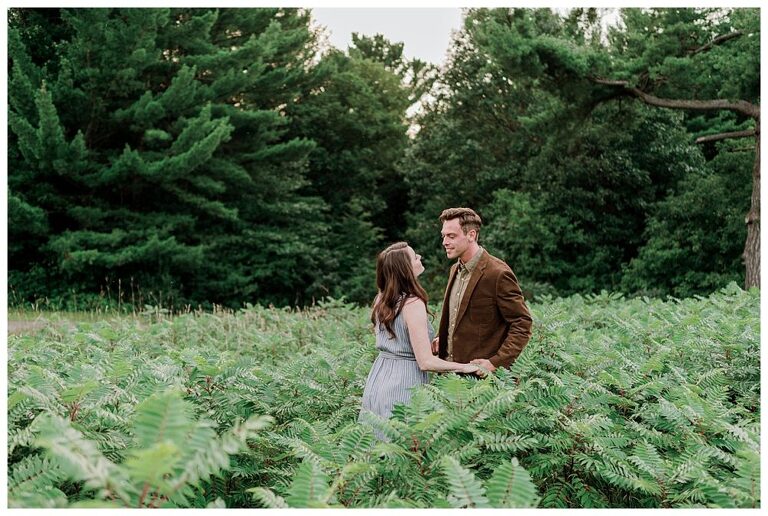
point(403, 334)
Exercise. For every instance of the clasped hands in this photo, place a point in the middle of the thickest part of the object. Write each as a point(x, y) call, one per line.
point(484, 364)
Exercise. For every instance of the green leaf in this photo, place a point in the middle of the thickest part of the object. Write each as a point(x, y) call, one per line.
point(267, 498)
point(511, 486)
point(309, 487)
point(465, 490)
point(163, 417)
point(77, 392)
point(153, 464)
point(79, 458)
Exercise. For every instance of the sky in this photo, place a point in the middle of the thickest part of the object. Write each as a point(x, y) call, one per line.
point(425, 32)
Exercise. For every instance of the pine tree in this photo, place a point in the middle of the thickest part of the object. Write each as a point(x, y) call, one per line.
point(156, 146)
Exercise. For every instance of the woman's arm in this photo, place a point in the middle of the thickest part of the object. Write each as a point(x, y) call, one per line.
point(415, 313)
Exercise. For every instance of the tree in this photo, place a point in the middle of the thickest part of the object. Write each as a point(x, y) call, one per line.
point(155, 142)
point(473, 139)
point(702, 60)
point(580, 215)
point(692, 240)
point(355, 112)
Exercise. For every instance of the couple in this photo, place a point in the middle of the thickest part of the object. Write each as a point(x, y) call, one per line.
point(485, 323)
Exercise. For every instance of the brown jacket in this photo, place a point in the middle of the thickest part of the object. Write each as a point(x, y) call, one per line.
point(493, 320)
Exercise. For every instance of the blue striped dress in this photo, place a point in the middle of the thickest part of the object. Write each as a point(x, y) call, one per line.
point(394, 372)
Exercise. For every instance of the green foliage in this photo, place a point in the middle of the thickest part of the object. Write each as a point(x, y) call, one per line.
point(695, 236)
point(575, 180)
point(170, 452)
point(465, 489)
point(202, 155)
point(511, 486)
point(211, 156)
point(614, 403)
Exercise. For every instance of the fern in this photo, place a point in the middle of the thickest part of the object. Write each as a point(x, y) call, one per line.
point(507, 443)
point(746, 487)
point(465, 490)
point(267, 498)
point(511, 486)
point(648, 460)
point(557, 495)
point(30, 476)
point(309, 487)
point(80, 460)
point(614, 403)
point(355, 441)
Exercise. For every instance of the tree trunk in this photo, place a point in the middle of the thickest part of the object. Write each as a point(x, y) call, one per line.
point(752, 246)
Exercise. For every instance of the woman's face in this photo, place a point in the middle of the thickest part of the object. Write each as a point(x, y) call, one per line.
point(416, 265)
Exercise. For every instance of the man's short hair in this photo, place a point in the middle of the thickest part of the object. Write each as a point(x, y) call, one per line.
point(468, 219)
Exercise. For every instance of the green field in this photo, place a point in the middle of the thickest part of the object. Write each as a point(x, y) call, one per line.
point(614, 403)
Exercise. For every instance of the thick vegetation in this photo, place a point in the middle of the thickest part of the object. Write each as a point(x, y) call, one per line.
point(200, 156)
point(614, 403)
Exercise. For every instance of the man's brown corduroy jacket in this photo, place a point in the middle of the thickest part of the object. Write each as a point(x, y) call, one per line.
point(493, 320)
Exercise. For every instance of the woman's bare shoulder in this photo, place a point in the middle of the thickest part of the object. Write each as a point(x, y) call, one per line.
point(414, 302)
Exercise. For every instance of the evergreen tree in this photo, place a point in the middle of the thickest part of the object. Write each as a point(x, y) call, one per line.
point(354, 111)
point(156, 145)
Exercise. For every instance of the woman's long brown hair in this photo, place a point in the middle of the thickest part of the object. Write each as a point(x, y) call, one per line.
point(396, 283)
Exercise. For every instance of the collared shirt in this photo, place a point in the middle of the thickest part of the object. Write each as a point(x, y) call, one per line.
point(463, 274)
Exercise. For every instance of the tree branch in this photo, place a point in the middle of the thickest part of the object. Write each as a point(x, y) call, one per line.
point(725, 136)
point(718, 40)
point(739, 106)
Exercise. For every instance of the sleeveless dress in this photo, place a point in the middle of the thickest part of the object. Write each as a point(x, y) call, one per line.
point(394, 372)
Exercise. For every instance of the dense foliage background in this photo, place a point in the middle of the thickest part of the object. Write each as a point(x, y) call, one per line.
point(613, 403)
point(197, 156)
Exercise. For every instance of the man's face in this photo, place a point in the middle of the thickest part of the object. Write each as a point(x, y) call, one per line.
point(455, 242)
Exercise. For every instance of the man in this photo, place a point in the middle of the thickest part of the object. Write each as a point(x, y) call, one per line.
point(485, 320)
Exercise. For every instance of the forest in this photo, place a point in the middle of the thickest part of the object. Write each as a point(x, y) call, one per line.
point(192, 157)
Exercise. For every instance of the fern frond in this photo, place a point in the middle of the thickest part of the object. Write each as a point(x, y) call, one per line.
point(267, 498)
point(690, 464)
point(506, 442)
point(501, 403)
point(308, 452)
point(309, 487)
point(747, 481)
point(80, 459)
point(511, 486)
point(352, 479)
point(647, 459)
point(46, 497)
point(153, 465)
point(208, 458)
point(32, 473)
point(465, 490)
point(557, 495)
point(742, 435)
point(392, 501)
point(164, 416)
point(20, 437)
point(588, 496)
point(355, 441)
point(389, 429)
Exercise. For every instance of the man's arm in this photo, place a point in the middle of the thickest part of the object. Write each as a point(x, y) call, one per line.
point(511, 305)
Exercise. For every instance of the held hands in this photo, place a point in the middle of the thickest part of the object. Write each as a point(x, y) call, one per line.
point(484, 366)
point(478, 366)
